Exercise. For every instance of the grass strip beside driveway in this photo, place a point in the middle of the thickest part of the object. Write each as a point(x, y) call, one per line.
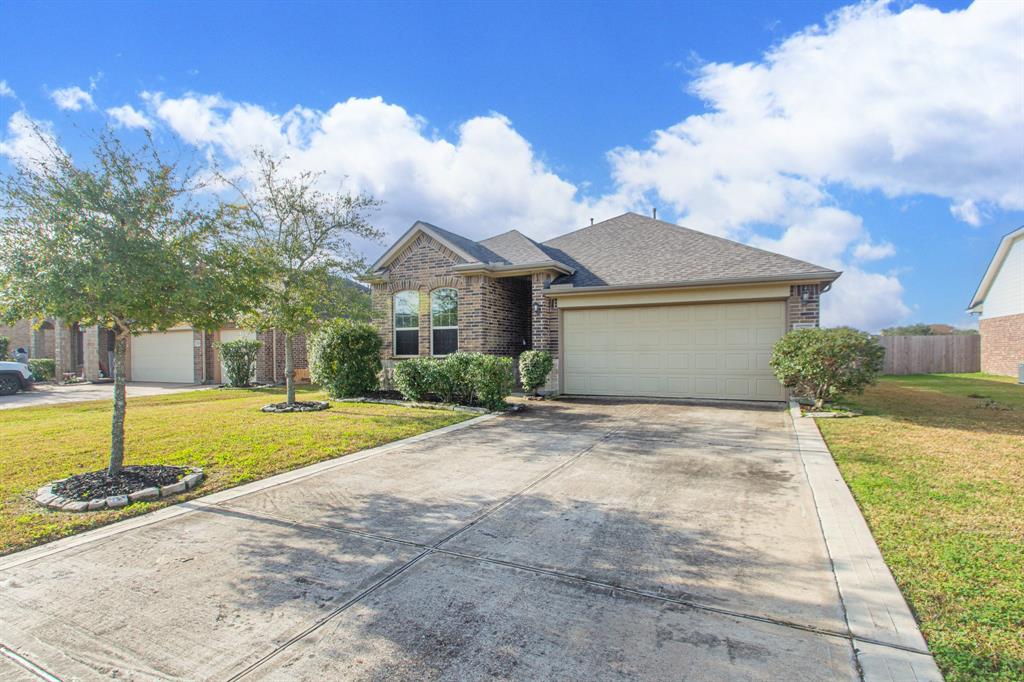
point(937, 466)
point(222, 431)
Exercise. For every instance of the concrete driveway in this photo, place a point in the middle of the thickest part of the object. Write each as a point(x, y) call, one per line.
point(577, 541)
point(56, 394)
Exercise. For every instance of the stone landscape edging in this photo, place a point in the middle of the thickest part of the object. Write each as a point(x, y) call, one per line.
point(454, 407)
point(45, 497)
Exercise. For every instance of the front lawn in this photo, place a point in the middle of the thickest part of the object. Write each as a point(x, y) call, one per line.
point(222, 431)
point(937, 467)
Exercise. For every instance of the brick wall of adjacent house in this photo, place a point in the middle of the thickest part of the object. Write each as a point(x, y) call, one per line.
point(494, 313)
point(800, 311)
point(38, 342)
point(1002, 344)
point(270, 359)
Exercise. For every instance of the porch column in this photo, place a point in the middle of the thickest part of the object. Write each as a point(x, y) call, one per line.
point(91, 352)
point(544, 316)
point(63, 360)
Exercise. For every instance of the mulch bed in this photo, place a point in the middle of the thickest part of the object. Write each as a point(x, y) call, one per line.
point(297, 406)
point(98, 484)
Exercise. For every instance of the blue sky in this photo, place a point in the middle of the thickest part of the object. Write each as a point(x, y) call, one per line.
point(882, 139)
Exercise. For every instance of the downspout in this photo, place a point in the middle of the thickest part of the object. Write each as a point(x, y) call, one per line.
point(202, 348)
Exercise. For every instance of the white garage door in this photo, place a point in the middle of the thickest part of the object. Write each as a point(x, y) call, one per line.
point(233, 335)
point(715, 350)
point(163, 356)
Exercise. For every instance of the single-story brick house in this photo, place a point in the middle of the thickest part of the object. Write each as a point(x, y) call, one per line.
point(630, 306)
point(999, 301)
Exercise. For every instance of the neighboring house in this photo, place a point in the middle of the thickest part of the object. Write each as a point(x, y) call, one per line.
point(178, 355)
point(999, 301)
point(630, 306)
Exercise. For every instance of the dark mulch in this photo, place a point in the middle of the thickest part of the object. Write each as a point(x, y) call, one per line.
point(383, 395)
point(297, 406)
point(96, 485)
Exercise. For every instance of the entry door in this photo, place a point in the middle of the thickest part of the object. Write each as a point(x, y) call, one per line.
point(713, 350)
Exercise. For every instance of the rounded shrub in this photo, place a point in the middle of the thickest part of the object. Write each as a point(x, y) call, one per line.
point(534, 368)
point(452, 381)
point(493, 379)
point(239, 360)
point(415, 378)
point(822, 364)
point(43, 369)
point(5, 344)
point(344, 358)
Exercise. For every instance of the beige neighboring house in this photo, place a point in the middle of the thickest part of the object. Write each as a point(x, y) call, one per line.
point(630, 306)
point(999, 301)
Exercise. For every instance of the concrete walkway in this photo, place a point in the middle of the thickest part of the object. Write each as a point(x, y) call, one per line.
point(579, 541)
point(54, 394)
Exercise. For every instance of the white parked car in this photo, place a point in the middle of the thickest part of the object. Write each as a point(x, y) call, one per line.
point(14, 377)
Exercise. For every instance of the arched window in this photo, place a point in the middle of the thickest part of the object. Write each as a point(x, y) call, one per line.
point(407, 323)
point(444, 321)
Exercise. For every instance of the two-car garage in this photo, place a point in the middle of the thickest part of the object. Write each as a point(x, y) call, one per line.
point(714, 350)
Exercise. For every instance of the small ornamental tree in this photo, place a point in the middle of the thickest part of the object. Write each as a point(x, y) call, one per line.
point(301, 235)
point(117, 242)
point(822, 364)
point(534, 368)
point(344, 358)
point(239, 358)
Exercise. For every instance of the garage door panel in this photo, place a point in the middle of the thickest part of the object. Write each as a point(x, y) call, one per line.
point(699, 350)
point(163, 357)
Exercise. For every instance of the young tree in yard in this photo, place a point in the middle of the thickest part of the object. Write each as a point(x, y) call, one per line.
point(118, 243)
point(302, 236)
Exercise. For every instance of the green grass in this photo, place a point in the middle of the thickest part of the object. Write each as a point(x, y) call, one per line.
point(937, 466)
point(222, 431)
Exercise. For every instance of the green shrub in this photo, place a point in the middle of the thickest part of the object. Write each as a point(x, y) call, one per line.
point(453, 382)
point(344, 358)
point(43, 369)
point(493, 380)
point(415, 378)
point(5, 344)
point(824, 363)
point(239, 360)
point(534, 368)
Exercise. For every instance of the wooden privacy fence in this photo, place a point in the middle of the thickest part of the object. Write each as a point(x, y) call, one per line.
point(931, 354)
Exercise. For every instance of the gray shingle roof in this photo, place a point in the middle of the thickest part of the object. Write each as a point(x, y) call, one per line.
point(632, 249)
point(475, 249)
point(635, 249)
point(515, 247)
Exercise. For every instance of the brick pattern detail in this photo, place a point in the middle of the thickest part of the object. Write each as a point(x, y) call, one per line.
point(270, 359)
point(494, 313)
point(1002, 344)
point(40, 343)
point(799, 311)
point(545, 323)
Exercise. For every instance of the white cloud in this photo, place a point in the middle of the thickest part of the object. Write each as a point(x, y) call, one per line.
point(28, 141)
point(72, 99)
point(966, 211)
point(870, 251)
point(484, 181)
point(5, 89)
point(129, 117)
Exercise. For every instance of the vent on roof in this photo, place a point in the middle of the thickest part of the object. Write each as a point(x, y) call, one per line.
point(654, 213)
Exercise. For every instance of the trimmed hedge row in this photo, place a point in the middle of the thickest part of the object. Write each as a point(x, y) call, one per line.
point(465, 378)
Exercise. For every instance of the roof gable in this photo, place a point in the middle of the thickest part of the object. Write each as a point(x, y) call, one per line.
point(994, 266)
point(466, 249)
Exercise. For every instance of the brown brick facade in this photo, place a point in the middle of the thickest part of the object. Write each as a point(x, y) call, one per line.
point(494, 313)
point(1002, 344)
point(270, 359)
point(803, 307)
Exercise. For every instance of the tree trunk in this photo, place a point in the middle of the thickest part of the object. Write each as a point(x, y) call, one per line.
point(289, 367)
point(120, 404)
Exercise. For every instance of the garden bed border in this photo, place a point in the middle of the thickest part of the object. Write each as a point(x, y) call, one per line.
point(45, 497)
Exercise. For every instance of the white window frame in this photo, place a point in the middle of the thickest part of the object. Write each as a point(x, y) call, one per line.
point(458, 304)
point(396, 328)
